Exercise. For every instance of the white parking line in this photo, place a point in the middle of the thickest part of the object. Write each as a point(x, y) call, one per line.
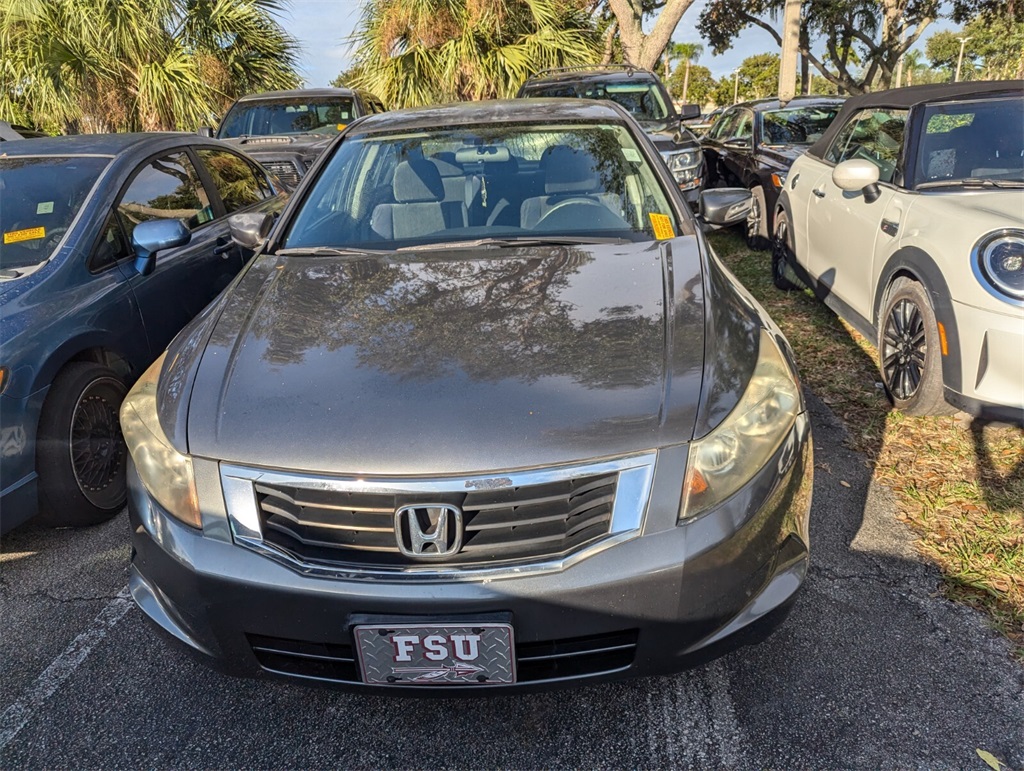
point(61, 668)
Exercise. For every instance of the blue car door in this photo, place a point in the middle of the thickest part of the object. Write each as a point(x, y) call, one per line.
point(187, 278)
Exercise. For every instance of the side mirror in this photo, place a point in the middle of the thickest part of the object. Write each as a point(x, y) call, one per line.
point(250, 229)
point(689, 111)
point(857, 175)
point(723, 206)
point(154, 236)
point(205, 131)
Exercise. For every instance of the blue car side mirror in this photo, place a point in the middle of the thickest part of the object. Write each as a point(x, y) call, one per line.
point(153, 236)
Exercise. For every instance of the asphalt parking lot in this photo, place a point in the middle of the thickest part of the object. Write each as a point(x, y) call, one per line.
point(873, 669)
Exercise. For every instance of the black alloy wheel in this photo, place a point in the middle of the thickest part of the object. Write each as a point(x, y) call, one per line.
point(909, 351)
point(81, 454)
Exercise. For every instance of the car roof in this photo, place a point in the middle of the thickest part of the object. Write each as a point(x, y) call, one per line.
point(97, 144)
point(497, 111)
point(298, 93)
point(604, 74)
point(910, 96)
point(773, 103)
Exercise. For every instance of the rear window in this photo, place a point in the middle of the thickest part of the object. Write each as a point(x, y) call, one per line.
point(39, 199)
point(641, 99)
point(288, 116)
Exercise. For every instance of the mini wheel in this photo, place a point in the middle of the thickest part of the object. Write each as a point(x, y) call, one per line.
point(909, 351)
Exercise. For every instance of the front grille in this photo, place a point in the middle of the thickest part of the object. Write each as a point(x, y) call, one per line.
point(539, 661)
point(512, 524)
point(286, 171)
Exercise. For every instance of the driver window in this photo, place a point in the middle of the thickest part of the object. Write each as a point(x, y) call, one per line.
point(723, 128)
point(744, 127)
point(873, 135)
point(165, 188)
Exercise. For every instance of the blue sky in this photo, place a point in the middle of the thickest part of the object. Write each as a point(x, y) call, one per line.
point(323, 26)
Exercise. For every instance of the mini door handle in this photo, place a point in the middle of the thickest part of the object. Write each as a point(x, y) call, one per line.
point(819, 192)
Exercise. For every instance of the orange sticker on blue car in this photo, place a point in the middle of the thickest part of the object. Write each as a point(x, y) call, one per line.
point(29, 234)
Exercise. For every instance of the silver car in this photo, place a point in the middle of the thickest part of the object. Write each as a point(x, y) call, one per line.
point(483, 413)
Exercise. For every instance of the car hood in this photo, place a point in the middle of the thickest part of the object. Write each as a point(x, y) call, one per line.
point(282, 142)
point(983, 207)
point(782, 155)
point(450, 362)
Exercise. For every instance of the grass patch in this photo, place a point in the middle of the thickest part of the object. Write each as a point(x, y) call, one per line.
point(958, 484)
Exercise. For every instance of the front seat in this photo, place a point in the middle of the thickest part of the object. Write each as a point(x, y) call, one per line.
point(568, 173)
point(417, 211)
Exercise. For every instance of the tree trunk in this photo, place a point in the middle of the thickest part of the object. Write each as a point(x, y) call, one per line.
point(790, 48)
point(643, 49)
point(686, 80)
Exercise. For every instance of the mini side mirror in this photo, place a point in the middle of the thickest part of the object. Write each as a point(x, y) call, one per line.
point(154, 236)
point(250, 229)
point(857, 175)
point(723, 206)
point(205, 131)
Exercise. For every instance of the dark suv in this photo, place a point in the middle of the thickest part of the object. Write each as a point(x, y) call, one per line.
point(644, 97)
point(287, 130)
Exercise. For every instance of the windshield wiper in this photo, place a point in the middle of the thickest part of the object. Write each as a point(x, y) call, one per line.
point(512, 241)
point(326, 251)
point(1011, 184)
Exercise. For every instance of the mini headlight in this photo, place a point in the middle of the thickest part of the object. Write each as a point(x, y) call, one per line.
point(999, 261)
point(724, 460)
point(165, 472)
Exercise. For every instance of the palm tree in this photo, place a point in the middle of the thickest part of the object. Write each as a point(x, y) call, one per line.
point(690, 52)
point(128, 65)
point(415, 52)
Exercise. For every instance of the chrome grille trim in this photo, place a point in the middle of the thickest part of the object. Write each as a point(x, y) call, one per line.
point(635, 477)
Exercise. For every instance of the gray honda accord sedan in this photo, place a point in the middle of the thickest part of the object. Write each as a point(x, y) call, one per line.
point(484, 412)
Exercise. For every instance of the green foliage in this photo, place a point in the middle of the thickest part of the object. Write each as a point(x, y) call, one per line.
point(416, 52)
point(129, 65)
point(702, 84)
point(994, 49)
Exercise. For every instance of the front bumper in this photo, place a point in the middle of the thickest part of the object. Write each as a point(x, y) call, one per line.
point(650, 605)
point(992, 357)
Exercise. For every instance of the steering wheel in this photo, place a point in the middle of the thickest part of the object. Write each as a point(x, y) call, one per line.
point(53, 238)
point(561, 205)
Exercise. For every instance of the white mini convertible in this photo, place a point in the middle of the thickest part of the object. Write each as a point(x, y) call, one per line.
point(907, 219)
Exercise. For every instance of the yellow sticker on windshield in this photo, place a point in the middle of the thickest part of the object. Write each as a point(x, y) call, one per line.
point(662, 226)
point(24, 235)
point(341, 126)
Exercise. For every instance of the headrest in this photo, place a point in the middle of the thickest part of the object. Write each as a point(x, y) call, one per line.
point(445, 162)
point(568, 171)
point(417, 180)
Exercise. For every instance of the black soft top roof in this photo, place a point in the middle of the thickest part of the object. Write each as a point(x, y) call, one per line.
point(908, 97)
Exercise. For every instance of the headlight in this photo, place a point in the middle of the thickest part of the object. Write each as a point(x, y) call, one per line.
point(165, 472)
point(684, 166)
point(999, 262)
point(726, 459)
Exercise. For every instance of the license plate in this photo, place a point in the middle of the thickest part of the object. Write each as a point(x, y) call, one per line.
point(436, 654)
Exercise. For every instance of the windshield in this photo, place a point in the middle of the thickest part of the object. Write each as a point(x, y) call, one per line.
point(326, 115)
point(980, 139)
point(39, 198)
point(573, 182)
point(798, 126)
point(641, 99)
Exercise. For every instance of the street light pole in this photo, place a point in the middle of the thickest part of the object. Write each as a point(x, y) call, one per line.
point(960, 58)
point(736, 87)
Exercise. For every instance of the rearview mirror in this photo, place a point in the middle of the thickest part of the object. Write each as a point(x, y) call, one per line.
point(250, 229)
point(723, 206)
point(857, 175)
point(154, 236)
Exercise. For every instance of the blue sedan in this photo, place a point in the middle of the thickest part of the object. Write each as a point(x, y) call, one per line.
point(110, 245)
